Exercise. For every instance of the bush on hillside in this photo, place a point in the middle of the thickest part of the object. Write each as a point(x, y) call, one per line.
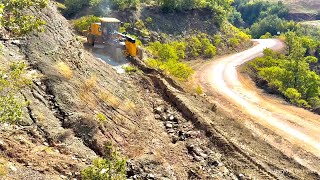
point(194, 47)
point(112, 166)
point(172, 67)
point(210, 51)
point(16, 21)
point(84, 23)
point(12, 80)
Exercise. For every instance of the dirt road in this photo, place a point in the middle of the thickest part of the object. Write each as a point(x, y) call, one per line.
point(239, 96)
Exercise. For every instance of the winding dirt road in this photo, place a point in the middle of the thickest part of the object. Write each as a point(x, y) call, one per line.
point(297, 126)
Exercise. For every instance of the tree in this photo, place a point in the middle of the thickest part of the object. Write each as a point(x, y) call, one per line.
point(290, 74)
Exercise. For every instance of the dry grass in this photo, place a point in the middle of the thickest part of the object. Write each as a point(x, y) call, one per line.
point(129, 106)
point(87, 91)
point(64, 70)
point(88, 98)
point(109, 98)
point(39, 116)
point(90, 83)
point(135, 151)
point(91, 93)
point(3, 167)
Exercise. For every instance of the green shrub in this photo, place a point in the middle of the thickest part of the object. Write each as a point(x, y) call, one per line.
point(101, 117)
point(154, 63)
point(139, 24)
point(61, 6)
point(84, 23)
point(130, 69)
point(111, 167)
point(164, 52)
point(149, 20)
point(177, 69)
point(180, 48)
point(217, 40)
point(233, 42)
point(293, 95)
point(12, 80)
point(124, 4)
point(199, 90)
point(210, 51)
point(290, 75)
point(145, 32)
point(74, 6)
point(15, 19)
point(125, 27)
point(266, 36)
point(172, 67)
point(194, 47)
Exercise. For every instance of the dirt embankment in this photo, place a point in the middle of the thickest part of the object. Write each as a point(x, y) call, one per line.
point(175, 24)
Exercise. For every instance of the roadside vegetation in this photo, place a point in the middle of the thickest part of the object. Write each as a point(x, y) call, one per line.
point(290, 74)
point(170, 56)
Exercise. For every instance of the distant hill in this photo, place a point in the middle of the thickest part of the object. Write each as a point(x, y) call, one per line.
point(302, 6)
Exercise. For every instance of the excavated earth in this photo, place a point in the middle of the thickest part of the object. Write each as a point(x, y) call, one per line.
point(164, 132)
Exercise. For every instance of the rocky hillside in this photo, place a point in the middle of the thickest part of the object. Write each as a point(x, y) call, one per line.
point(77, 103)
point(61, 134)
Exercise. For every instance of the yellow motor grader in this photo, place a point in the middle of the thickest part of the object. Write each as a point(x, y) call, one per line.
point(106, 33)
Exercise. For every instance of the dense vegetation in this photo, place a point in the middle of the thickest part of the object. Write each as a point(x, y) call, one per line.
point(261, 17)
point(290, 74)
point(168, 56)
point(167, 59)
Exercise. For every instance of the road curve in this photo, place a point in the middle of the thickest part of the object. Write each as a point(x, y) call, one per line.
point(296, 125)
